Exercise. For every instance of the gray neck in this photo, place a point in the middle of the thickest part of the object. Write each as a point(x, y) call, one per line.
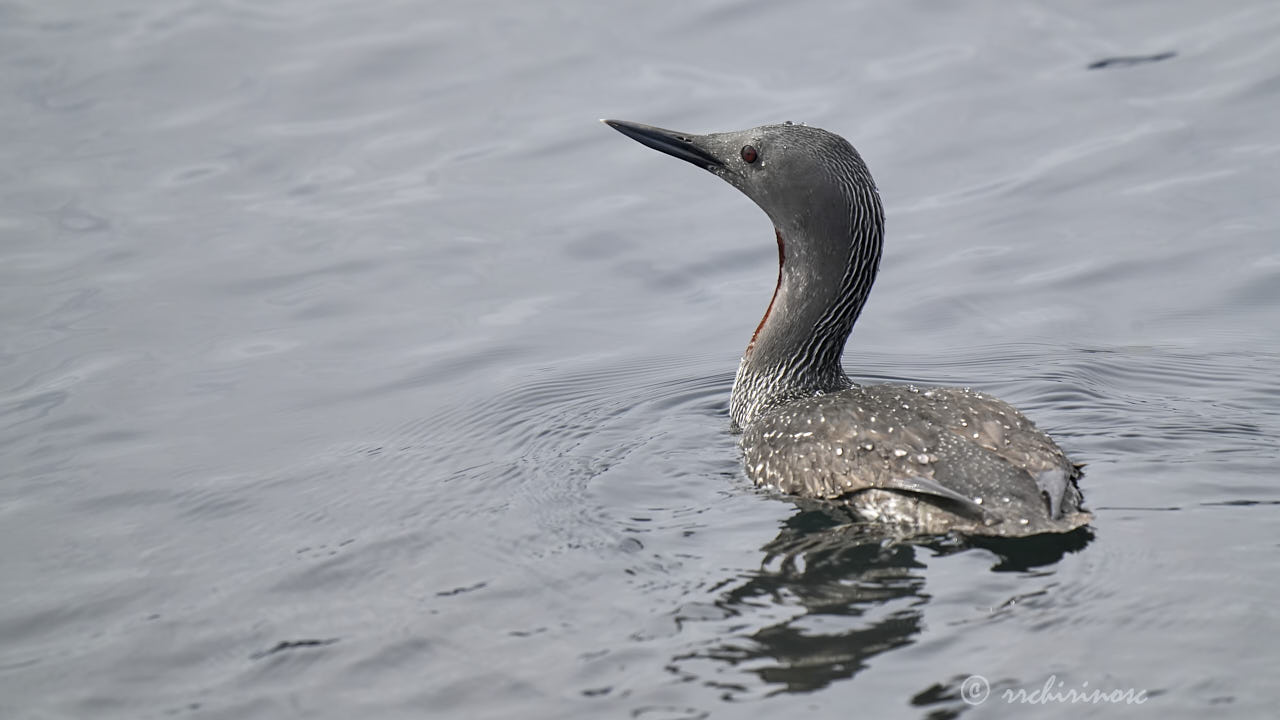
point(824, 277)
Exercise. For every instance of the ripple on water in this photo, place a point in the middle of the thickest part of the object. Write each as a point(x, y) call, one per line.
point(550, 458)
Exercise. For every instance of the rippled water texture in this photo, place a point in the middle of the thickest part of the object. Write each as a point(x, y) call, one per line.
point(349, 368)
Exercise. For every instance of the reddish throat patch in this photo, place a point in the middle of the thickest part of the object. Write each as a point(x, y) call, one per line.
point(782, 257)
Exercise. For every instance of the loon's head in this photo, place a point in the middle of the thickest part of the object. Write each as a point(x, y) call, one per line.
point(810, 182)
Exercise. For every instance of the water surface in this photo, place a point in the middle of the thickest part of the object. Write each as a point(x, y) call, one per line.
point(350, 368)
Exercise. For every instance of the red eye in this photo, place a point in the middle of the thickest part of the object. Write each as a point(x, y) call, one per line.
point(749, 153)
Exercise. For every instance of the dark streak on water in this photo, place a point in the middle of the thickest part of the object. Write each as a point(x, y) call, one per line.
point(286, 645)
point(1130, 60)
point(349, 368)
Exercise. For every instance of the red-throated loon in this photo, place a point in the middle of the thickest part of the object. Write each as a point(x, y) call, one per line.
point(923, 460)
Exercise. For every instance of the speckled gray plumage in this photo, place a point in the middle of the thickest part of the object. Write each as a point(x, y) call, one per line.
point(929, 460)
point(919, 460)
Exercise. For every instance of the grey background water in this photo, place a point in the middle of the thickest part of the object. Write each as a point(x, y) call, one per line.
point(349, 368)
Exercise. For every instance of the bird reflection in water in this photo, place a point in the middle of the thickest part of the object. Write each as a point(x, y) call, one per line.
point(861, 595)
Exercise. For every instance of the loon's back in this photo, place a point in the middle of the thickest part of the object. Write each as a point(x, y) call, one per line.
point(929, 460)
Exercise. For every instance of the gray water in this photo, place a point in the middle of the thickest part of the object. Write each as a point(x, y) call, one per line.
point(349, 368)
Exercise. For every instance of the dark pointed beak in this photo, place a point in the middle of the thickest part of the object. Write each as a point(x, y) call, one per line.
point(689, 148)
